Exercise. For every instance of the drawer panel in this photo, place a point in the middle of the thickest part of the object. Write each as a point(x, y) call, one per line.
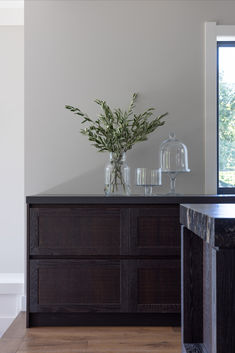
point(104, 286)
point(77, 231)
point(155, 231)
point(77, 286)
point(155, 286)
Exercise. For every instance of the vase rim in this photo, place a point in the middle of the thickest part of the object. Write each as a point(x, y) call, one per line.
point(123, 154)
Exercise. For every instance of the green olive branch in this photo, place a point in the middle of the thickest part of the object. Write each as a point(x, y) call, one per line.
point(117, 131)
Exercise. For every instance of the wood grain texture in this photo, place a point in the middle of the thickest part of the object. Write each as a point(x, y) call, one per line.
point(209, 297)
point(155, 286)
point(128, 230)
point(103, 259)
point(155, 231)
point(76, 286)
point(225, 233)
point(192, 287)
point(194, 348)
point(76, 231)
point(213, 225)
point(225, 288)
point(10, 345)
point(91, 339)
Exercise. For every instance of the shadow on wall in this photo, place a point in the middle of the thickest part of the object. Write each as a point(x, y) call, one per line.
point(91, 182)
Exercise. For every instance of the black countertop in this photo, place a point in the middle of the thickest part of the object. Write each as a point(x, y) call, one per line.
point(128, 200)
point(214, 223)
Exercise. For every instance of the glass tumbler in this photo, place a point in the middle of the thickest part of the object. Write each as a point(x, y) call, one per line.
point(148, 178)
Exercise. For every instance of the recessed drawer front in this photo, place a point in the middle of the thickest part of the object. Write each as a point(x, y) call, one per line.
point(155, 286)
point(77, 231)
point(77, 286)
point(155, 231)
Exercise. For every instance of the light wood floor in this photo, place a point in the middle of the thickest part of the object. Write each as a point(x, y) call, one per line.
point(17, 339)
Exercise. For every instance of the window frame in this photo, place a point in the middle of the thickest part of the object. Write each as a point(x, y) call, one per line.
point(221, 44)
point(213, 33)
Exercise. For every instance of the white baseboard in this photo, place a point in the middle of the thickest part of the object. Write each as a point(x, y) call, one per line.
point(12, 283)
point(11, 298)
point(23, 303)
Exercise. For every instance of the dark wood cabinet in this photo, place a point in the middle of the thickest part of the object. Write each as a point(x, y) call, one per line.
point(154, 286)
point(104, 260)
point(78, 231)
point(78, 286)
point(155, 231)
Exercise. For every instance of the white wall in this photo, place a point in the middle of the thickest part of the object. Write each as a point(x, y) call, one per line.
point(12, 149)
point(77, 51)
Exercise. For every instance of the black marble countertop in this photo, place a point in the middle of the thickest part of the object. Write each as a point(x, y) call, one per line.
point(214, 223)
point(128, 200)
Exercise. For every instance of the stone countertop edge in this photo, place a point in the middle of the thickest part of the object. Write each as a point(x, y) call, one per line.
point(128, 200)
point(198, 223)
point(213, 223)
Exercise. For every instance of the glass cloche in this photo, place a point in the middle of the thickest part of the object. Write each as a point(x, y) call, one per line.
point(173, 158)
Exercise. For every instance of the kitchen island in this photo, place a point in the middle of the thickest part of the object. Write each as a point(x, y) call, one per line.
point(208, 278)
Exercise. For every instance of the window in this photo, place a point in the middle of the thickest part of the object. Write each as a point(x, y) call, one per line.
point(219, 73)
point(226, 117)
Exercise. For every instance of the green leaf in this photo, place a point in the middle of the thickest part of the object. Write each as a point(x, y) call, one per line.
point(118, 130)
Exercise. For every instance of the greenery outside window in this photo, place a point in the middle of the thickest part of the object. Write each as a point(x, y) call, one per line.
point(226, 117)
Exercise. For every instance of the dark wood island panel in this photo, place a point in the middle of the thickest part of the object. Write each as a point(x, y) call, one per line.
point(96, 260)
point(208, 278)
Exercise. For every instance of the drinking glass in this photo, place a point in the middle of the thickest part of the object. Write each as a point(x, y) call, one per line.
point(148, 178)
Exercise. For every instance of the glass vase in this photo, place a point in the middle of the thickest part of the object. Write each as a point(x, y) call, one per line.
point(117, 175)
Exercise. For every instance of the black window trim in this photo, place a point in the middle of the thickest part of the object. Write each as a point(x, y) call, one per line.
point(221, 190)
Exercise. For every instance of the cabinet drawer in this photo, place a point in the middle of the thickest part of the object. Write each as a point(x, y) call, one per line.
point(155, 231)
point(77, 231)
point(60, 286)
point(155, 286)
point(77, 286)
